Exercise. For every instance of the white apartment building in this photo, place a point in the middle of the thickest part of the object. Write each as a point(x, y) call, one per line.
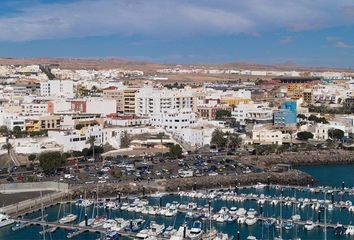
point(101, 106)
point(262, 135)
point(57, 88)
point(75, 140)
point(174, 119)
point(151, 101)
point(252, 111)
point(31, 109)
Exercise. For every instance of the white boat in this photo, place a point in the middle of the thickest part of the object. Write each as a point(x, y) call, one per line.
point(309, 225)
point(89, 222)
point(251, 212)
point(350, 230)
point(222, 218)
point(251, 238)
point(196, 231)
point(110, 205)
point(241, 220)
point(179, 234)
point(156, 229)
point(144, 235)
point(250, 220)
point(241, 212)
point(124, 206)
point(171, 212)
point(233, 211)
point(296, 217)
point(121, 224)
point(68, 218)
point(108, 224)
point(99, 221)
point(5, 220)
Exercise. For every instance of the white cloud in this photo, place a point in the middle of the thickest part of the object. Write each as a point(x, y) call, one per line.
point(171, 18)
point(341, 44)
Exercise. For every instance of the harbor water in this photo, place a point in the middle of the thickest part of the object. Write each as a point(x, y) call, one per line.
point(327, 175)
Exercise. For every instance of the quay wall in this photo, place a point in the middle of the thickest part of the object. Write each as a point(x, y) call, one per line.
point(33, 187)
point(33, 204)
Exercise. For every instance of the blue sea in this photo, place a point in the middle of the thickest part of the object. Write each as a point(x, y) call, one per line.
point(331, 175)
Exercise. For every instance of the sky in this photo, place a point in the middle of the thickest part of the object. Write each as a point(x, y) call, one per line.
point(301, 32)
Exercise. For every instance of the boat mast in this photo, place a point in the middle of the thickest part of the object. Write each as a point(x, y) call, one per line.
point(42, 212)
point(281, 214)
point(325, 216)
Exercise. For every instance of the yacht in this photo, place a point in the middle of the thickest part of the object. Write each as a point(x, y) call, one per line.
point(289, 224)
point(250, 220)
point(350, 230)
point(251, 238)
point(68, 218)
point(134, 225)
point(171, 212)
point(121, 224)
point(309, 225)
point(233, 211)
point(98, 221)
point(196, 231)
point(89, 222)
point(109, 224)
point(241, 212)
point(156, 229)
point(124, 206)
point(222, 218)
point(241, 220)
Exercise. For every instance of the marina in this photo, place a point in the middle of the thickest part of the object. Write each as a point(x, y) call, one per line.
point(261, 211)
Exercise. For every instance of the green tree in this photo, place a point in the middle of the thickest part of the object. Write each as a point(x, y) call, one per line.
point(17, 131)
point(4, 130)
point(218, 139)
point(125, 140)
point(7, 147)
point(32, 157)
point(51, 161)
point(302, 116)
point(175, 151)
point(79, 126)
point(91, 140)
point(220, 114)
point(161, 136)
point(233, 141)
point(304, 135)
point(335, 133)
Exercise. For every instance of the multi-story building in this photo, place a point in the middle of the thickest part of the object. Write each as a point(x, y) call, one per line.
point(174, 119)
point(286, 115)
point(125, 99)
point(209, 112)
point(151, 101)
point(34, 108)
point(261, 135)
point(260, 113)
point(57, 88)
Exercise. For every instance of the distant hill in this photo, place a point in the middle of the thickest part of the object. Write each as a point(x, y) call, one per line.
point(108, 63)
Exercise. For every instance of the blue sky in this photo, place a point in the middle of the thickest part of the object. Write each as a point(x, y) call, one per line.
point(310, 33)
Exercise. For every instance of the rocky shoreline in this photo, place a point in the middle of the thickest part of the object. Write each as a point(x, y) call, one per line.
point(294, 177)
point(323, 157)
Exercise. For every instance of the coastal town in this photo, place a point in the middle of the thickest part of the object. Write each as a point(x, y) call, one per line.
point(94, 137)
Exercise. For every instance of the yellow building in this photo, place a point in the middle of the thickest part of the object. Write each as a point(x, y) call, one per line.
point(32, 125)
point(234, 101)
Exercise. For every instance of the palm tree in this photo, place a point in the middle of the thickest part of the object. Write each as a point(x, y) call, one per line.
point(91, 141)
point(8, 147)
